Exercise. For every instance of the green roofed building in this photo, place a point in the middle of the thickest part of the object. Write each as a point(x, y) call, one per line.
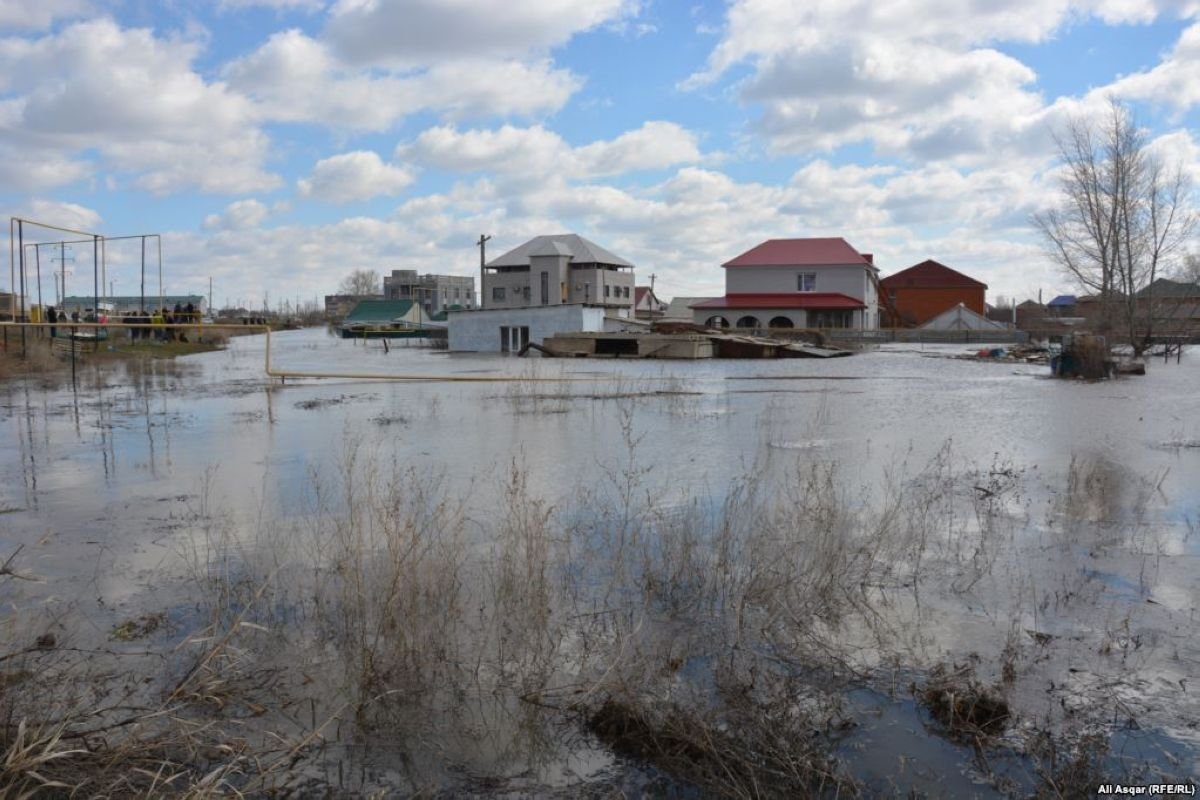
point(383, 312)
point(387, 318)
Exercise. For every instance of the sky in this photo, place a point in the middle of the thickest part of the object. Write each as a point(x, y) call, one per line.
point(278, 145)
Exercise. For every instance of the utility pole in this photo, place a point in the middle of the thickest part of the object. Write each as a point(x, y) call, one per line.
point(62, 270)
point(482, 260)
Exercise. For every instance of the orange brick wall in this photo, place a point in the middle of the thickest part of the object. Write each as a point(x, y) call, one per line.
point(917, 305)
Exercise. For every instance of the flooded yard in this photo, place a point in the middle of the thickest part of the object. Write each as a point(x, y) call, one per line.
point(889, 574)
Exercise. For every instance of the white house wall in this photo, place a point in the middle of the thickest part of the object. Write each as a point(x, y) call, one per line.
point(480, 331)
point(853, 281)
point(847, 280)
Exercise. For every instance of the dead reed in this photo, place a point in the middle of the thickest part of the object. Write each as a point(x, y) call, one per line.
point(384, 637)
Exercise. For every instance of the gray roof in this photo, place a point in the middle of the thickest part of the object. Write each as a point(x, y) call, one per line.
point(1168, 288)
point(549, 247)
point(580, 249)
point(961, 318)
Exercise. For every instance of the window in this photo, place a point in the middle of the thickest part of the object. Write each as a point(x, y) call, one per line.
point(806, 282)
point(607, 290)
point(525, 293)
point(497, 292)
point(627, 291)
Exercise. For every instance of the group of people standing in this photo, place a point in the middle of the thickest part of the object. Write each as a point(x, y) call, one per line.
point(156, 320)
point(143, 325)
point(54, 316)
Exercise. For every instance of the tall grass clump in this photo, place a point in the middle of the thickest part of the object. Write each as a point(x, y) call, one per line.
point(389, 634)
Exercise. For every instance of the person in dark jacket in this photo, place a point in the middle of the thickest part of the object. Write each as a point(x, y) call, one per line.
point(52, 317)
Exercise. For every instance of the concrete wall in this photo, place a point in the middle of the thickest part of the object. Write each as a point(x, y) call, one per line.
point(589, 286)
point(580, 285)
point(480, 330)
point(514, 284)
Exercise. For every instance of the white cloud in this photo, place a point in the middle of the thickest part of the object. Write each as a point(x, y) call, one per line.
point(296, 78)
point(537, 154)
point(681, 228)
point(31, 169)
point(21, 14)
point(898, 96)
point(278, 5)
point(917, 80)
point(652, 146)
point(1174, 82)
point(136, 100)
point(67, 215)
point(425, 31)
point(238, 215)
point(359, 175)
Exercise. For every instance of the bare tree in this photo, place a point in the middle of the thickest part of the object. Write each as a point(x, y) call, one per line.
point(1190, 271)
point(361, 281)
point(1123, 219)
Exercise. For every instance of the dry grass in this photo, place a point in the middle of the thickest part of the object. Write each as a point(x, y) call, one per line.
point(964, 706)
point(34, 358)
point(384, 630)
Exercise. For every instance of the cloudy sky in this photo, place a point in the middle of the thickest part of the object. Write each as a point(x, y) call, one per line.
point(279, 144)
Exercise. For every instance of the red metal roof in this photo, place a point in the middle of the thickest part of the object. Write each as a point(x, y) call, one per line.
point(929, 274)
point(814, 300)
point(800, 253)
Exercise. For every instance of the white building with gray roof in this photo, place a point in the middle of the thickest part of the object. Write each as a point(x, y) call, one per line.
point(556, 270)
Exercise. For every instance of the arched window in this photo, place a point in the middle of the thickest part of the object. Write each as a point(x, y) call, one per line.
point(716, 322)
point(780, 322)
point(748, 322)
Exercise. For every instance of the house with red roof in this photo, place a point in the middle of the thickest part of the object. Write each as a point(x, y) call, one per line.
point(646, 304)
point(923, 291)
point(796, 283)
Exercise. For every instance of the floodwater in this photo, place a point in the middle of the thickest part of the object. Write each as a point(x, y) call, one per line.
point(1094, 487)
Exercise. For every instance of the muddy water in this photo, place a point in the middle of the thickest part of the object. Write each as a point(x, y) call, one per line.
point(1096, 486)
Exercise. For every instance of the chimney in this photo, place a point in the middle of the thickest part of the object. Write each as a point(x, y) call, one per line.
point(870, 257)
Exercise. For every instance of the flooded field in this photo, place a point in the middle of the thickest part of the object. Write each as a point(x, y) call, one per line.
point(888, 574)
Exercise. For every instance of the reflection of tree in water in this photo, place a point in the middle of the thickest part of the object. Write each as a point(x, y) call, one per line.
point(1104, 496)
point(1095, 486)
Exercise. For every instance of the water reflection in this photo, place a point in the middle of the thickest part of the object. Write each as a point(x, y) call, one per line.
point(1053, 527)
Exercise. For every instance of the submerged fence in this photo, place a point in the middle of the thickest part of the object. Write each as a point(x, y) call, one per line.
point(919, 335)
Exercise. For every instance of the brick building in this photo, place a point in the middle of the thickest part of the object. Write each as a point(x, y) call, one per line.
point(921, 292)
